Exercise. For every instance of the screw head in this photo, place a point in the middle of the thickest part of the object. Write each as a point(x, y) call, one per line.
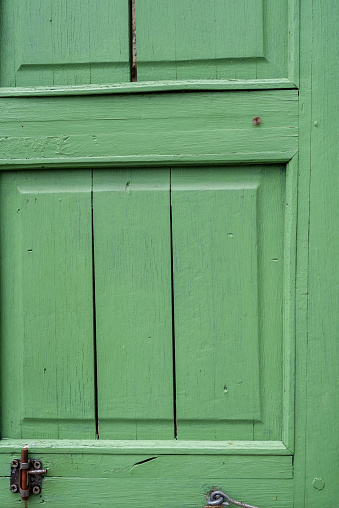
point(318, 483)
point(36, 489)
point(14, 488)
point(14, 463)
point(37, 464)
point(256, 120)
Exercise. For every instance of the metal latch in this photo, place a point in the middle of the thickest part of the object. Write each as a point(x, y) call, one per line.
point(219, 499)
point(26, 475)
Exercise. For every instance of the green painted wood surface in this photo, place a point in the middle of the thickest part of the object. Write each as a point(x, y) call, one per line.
point(64, 42)
point(143, 129)
point(322, 438)
point(216, 39)
point(228, 232)
point(131, 210)
point(84, 492)
point(130, 447)
point(315, 311)
point(132, 254)
point(160, 466)
point(149, 86)
point(46, 305)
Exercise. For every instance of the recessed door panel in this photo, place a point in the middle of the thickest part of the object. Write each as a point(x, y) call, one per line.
point(214, 39)
point(64, 42)
point(46, 305)
point(228, 230)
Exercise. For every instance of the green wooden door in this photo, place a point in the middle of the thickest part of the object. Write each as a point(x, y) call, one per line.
point(154, 246)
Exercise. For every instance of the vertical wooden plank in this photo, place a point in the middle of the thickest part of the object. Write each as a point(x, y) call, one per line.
point(289, 299)
point(228, 237)
point(46, 305)
point(208, 376)
point(274, 216)
point(133, 303)
point(304, 156)
point(215, 300)
point(322, 438)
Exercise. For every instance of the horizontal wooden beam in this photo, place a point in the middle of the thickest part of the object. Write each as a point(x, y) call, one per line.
point(159, 466)
point(163, 447)
point(148, 129)
point(60, 492)
point(149, 86)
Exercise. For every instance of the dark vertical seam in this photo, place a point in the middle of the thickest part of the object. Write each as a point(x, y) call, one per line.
point(173, 324)
point(133, 42)
point(94, 325)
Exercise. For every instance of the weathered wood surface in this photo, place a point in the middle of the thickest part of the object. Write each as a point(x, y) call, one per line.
point(158, 466)
point(38, 141)
point(168, 447)
point(85, 492)
point(148, 86)
point(58, 42)
point(47, 305)
point(322, 439)
point(217, 39)
point(132, 253)
point(139, 129)
point(228, 244)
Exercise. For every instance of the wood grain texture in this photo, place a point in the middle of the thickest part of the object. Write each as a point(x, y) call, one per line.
point(301, 309)
point(228, 238)
point(217, 39)
point(157, 128)
point(159, 466)
point(64, 42)
point(148, 86)
point(74, 492)
point(132, 255)
point(322, 438)
point(46, 310)
point(59, 117)
point(289, 303)
point(169, 447)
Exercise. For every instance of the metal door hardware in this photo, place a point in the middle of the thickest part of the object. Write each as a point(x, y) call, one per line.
point(218, 499)
point(26, 475)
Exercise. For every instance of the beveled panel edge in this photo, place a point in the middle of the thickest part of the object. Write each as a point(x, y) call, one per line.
point(149, 86)
point(164, 447)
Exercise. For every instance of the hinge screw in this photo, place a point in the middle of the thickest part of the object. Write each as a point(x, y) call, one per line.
point(15, 463)
point(14, 488)
point(37, 464)
point(36, 489)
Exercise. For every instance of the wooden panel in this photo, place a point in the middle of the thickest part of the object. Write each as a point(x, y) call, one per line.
point(213, 85)
point(149, 128)
point(64, 42)
point(87, 492)
point(159, 466)
point(133, 304)
point(215, 39)
point(228, 230)
point(148, 447)
point(320, 163)
point(46, 305)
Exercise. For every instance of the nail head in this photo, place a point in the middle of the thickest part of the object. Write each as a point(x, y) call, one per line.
point(256, 120)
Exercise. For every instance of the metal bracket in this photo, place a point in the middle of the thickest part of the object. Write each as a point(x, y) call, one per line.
point(219, 499)
point(26, 475)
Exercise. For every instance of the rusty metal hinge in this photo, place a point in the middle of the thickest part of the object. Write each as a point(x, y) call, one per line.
point(26, 475)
